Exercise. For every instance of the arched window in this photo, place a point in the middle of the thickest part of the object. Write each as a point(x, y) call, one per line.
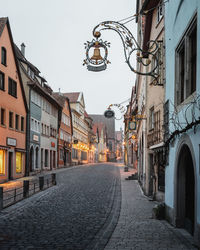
point(3, 56)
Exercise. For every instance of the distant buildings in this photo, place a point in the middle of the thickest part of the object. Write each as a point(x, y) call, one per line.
point(110, 132)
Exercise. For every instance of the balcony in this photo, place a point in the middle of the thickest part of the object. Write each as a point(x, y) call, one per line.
point(154, 137)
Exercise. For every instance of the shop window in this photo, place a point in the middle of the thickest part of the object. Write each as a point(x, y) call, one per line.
point(22, 123)
point(2, 81)
point(11, 119)
point(16, 122)
point(3, 56)
point(186, 64)
point(2, 161)
point(3, 122)
point(12, 87)
point(18, 162)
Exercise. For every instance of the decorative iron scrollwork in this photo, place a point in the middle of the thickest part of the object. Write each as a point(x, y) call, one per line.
point(131, 47)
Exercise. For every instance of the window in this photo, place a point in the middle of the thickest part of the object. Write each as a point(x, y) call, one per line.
point(3, 116)
point(2, 81)
point(22, 123)
point(2, 161)
point(186, 64)
point(12, 87)
point(3, 56)
point(18, 162)
point(160, 11)
point(17, 122)
point(11, 119)
point(151, 118)
point(61, 154)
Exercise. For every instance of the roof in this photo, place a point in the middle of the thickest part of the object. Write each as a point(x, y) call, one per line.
point(3, 22)
point(60, 98)
point(44, 93)
point(21, 57)
point(73, 97)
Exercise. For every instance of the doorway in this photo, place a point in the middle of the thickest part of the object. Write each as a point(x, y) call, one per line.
point(31, 159)
point(185, 190)
point(10, 165)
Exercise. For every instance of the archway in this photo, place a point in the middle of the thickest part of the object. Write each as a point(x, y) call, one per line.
point(185, 190)
point(31, 159)
point(36, 157)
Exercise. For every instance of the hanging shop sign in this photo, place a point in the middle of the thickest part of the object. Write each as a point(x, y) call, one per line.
point(35, 138)
point(109, 113)
point(11, 142)
point(132, 125)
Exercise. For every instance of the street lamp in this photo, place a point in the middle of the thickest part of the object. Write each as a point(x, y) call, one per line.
point(97, 62)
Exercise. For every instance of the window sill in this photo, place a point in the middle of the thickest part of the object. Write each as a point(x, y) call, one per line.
point(188, 100)
point(2, 89)
point(13, 96)
point(158, 23)
point(5, 65)
point(2, 125)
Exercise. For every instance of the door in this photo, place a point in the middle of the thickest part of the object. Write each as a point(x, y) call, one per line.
point(10, 165)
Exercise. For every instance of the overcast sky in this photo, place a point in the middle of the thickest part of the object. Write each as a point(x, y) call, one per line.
point(54, 32)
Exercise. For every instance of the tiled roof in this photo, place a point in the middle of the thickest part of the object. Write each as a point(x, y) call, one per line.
point(3, 22)
point(60, 98)
point(73, 97)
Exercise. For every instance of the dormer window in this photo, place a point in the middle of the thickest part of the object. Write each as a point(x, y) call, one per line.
point(31, 73)
point(3, 56)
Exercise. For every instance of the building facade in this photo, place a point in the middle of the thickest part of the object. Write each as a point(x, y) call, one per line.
point(13, 109)
point(64, 154)
point(80, 143)
point(182, 140)
point(42, 119)
point(110, 132)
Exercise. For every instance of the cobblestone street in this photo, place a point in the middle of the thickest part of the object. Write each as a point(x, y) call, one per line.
point(67, 216)
point(83, 212)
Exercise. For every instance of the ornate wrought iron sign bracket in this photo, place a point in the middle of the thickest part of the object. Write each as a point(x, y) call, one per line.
point(148, 59)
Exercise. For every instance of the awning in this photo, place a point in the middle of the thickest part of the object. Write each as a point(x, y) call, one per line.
point(20, 150)
point(159, 145)
point(4, 147)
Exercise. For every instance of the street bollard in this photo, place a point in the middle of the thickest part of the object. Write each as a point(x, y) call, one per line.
point(26, 189)
point(41, 182)
point(53, 178)
point(1, 198)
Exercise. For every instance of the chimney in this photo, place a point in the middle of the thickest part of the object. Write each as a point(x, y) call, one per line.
point(23, 49)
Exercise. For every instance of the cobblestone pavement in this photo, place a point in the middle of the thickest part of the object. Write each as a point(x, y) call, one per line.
point(72, 215)
point(137, 230)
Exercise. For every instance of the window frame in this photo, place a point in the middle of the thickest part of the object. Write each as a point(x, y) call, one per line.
point(12, 87)
point(11, 120)
point(183, 65)
point(3, 77)
point(3, 56)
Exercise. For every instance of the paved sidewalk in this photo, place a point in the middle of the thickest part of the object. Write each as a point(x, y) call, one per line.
point(137, 230)
point(19, 182)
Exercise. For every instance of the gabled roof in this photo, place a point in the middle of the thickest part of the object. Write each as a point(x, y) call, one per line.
point(21, 57)
point(3, 22)
point(73, 97)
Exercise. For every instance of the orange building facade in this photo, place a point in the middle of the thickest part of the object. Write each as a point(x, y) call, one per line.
point(65, 132)
point(13, 110)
